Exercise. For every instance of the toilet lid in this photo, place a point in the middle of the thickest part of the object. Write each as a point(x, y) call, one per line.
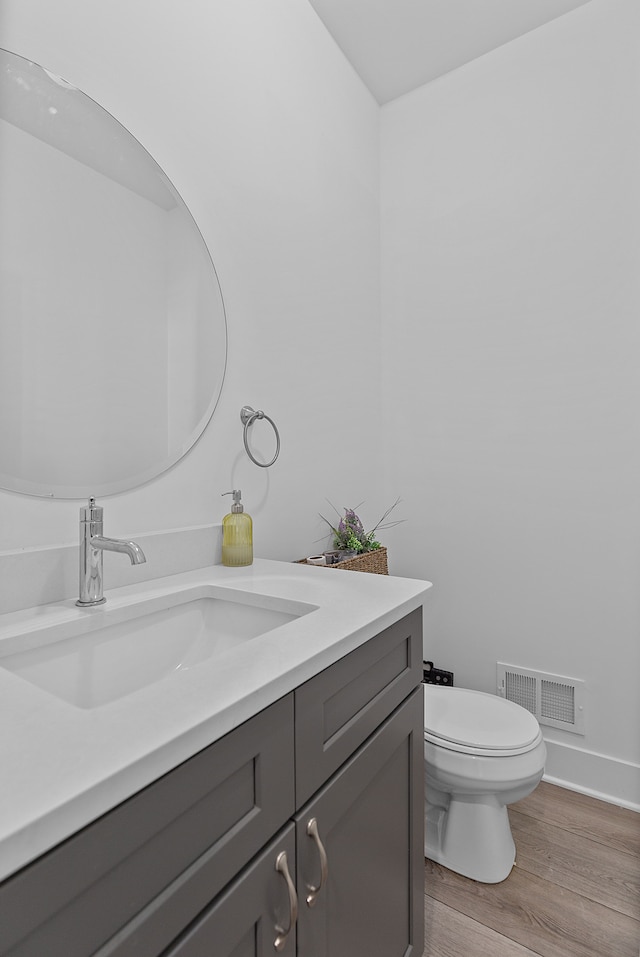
point(477, 720)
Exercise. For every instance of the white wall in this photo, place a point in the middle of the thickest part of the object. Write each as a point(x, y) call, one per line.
point(272, 141)
point(510, 298)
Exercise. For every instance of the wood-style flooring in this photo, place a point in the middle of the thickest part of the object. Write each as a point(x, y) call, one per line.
point(574, 892)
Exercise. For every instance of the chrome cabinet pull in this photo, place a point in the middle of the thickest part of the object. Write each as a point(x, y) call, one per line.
point(312, 831)
point(283, 868)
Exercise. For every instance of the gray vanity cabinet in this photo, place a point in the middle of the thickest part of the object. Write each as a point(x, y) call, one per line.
point(190, 866)
point(363, 901)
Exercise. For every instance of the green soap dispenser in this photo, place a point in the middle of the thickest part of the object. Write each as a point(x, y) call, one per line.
point(237, 534)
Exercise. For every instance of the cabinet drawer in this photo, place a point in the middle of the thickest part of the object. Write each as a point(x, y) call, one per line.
point(338, 709)
point(201, 822)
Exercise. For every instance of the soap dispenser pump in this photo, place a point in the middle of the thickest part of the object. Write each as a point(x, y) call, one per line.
point(237, 534)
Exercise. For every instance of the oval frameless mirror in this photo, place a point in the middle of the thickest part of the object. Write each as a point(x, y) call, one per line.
point(113, 337)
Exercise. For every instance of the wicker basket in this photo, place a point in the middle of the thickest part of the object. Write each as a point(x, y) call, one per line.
point(374, 562)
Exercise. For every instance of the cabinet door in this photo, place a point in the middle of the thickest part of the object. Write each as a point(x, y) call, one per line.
point(370, 822)
point(252, 914)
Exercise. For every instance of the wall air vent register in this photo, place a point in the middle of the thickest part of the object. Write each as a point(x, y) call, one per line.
point(554, 700)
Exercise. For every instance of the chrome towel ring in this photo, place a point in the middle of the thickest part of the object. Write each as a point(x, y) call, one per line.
point(248, 417)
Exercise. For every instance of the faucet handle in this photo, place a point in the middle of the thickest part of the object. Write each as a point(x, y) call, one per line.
point(91, 512)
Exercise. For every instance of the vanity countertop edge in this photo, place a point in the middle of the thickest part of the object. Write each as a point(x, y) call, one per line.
point(65, 766)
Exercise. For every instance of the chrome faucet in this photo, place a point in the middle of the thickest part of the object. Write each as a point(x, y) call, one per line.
point(93, 544)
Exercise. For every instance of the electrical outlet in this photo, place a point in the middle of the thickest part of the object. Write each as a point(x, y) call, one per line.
point(436, 676)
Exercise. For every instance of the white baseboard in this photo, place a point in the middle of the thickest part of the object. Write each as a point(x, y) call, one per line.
point(599, 776)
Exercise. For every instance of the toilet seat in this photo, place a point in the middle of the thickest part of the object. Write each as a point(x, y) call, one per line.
point(473, 722)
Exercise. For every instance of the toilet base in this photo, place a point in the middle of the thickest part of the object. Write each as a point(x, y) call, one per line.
point(471, 837)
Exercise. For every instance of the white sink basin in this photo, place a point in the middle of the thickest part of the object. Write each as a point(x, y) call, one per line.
point(106, 653)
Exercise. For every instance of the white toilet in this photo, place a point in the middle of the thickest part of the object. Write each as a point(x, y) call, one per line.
point(481, 753)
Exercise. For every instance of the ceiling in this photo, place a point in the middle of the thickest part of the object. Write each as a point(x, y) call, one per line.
point(398, 45)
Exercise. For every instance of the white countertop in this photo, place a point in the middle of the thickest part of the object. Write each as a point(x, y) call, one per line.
point(63, 766)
